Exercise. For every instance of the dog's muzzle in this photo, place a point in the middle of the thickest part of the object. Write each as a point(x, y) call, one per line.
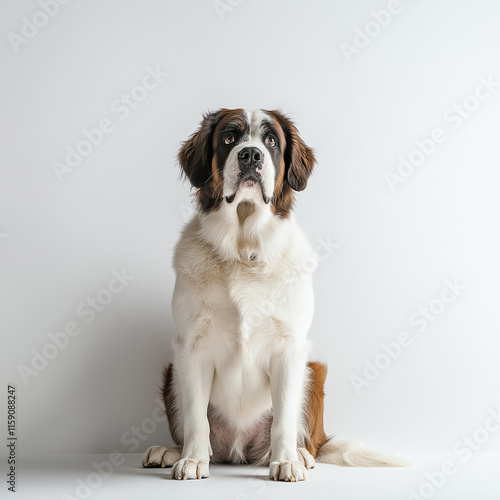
point(250, 164)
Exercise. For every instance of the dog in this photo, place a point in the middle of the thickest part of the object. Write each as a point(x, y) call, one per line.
point(240, 389)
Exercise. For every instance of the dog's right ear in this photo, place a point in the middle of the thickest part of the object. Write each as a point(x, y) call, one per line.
point(195, 155)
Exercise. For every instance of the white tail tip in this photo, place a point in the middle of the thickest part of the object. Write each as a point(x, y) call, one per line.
point(356, 454)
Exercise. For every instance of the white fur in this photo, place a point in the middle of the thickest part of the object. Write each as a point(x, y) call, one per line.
point(355, 454)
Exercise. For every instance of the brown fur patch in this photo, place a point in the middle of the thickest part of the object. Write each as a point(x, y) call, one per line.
point(216, 179)
point(283, 200)
point(315, 407)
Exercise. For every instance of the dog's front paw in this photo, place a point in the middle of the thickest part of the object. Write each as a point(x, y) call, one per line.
point(190, 468)
point(285, 470)
point(158, 456)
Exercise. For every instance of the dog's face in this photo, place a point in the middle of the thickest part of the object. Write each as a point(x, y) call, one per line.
point(239, 155)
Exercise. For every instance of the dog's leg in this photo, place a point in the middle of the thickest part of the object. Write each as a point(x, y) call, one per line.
point(195, 371)
point(286, 376)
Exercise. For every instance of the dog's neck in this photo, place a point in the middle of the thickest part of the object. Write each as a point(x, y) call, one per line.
point(244, 210)
point(247, 232)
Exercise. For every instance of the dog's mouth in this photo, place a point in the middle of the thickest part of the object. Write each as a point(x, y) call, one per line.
point(251, 183)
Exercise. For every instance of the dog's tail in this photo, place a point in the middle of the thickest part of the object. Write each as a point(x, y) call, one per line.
point(356, 454)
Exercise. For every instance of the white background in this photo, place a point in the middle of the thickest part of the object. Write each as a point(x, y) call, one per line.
point(124, 205)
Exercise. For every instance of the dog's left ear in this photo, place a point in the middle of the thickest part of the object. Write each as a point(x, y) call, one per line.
point(195, 155)
point(299, 158)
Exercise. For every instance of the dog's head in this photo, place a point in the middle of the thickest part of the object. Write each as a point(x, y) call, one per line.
point(239, 155)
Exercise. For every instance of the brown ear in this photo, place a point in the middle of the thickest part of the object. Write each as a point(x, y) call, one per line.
point(299, 158)
point(195, 155)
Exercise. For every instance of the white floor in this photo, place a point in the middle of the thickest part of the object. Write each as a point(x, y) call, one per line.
point(65, 477)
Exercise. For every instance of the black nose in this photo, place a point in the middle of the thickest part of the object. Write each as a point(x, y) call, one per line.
point(250, 157)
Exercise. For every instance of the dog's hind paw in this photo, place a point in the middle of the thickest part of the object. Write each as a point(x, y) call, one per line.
point(158, 456)
point(305, 458)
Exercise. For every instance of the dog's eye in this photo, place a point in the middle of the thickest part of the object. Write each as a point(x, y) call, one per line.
point(270, 141)
point(229, 139)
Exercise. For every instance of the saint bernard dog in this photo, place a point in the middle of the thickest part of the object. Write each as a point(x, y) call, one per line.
point(240, 389)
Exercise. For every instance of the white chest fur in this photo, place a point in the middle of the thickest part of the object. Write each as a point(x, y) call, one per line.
point(240, 311)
